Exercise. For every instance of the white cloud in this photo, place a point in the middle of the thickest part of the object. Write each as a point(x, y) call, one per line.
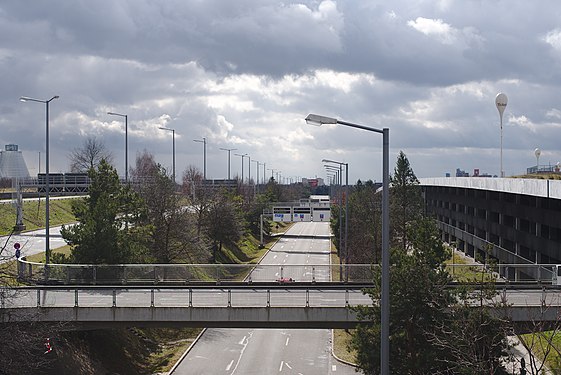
point(553, 38)
point(436, 28)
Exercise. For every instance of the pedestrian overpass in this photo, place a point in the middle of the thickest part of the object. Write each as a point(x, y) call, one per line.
point(234, 306)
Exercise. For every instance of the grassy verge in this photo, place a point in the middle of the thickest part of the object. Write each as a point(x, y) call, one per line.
point(542, 344)
point(60, 212)
point(341, 337)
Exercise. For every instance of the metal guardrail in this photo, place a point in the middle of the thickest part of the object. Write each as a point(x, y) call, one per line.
point(184, 274)
point(193, 296)
point(82, 274)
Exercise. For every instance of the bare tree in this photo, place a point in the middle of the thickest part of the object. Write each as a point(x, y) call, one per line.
point(540, 340)
point(84, 158)
point(172, 226)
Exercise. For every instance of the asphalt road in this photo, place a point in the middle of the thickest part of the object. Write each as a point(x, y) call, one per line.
point(32, 242)
point(272, 351)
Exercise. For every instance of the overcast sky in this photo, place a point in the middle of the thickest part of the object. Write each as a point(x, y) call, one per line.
point(244, 74)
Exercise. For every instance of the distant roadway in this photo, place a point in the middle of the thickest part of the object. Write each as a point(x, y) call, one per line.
point(272, 351)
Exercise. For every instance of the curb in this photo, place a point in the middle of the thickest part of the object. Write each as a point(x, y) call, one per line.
point(186, 352)
point(335, 356)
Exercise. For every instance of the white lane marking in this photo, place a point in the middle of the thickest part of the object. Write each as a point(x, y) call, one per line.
point(333, 368)
point(280, 368)
point(230, 365)
point(287, 340)
point(242, 340)
point(287, 365)
point(275, 257)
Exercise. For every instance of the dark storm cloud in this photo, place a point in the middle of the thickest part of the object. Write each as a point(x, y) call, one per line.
point(244, 73)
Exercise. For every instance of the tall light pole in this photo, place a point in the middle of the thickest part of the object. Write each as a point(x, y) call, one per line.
point(47, 178)
point(501, 101)
point(126, 142)
point(229, 150)
point(346, 205)
point(257, 164)
point(338, 174)
point(385, 296)
point(203, 141)
point(264, 179)
point(249, 169)
point(243, 156)
point(173, 151)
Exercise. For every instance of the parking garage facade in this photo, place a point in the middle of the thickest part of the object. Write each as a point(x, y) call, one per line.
point(508, 221)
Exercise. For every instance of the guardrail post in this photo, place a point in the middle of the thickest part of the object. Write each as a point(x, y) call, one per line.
point(346, 297)
point(268, 298)
point(75, 297)
point(114, 297)
point(543, 298)
point(229, 298)
point(307, 298)
point(38, 298)
point(190, 297)
point(152, 298)
point(282, 272)
point(94, 274)
point(313, 274)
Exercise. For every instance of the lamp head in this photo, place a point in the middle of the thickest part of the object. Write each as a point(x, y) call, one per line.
point(318, 120)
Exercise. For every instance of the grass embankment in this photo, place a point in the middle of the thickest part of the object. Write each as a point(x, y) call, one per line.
point(60, 212)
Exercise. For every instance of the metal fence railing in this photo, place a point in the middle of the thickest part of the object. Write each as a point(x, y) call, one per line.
point(81, 274)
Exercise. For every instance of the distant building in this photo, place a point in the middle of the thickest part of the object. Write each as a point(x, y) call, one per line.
point(461, 173)
point(12, 163)
point(312, 182)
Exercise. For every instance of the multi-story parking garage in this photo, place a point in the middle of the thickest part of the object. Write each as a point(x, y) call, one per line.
point(514, 221)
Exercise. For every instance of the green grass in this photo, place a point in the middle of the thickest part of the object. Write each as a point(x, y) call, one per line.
point(60, 212)
point(539, 343)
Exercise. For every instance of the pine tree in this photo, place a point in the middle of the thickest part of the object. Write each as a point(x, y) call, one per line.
point(406, 200)
point(106, 231)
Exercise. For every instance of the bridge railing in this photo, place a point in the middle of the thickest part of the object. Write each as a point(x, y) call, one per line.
point(165, 296)
point(82, 274)
point(513, 273)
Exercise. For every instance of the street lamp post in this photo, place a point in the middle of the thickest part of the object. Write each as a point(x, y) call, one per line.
point(126, 142)
point(249, 170)
point(257, 164)
point(385, 295)
point(346, 207)
point(229, 150)
point(243, 156)
point(47, 178)
point(203, 141)
point(173, 152)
